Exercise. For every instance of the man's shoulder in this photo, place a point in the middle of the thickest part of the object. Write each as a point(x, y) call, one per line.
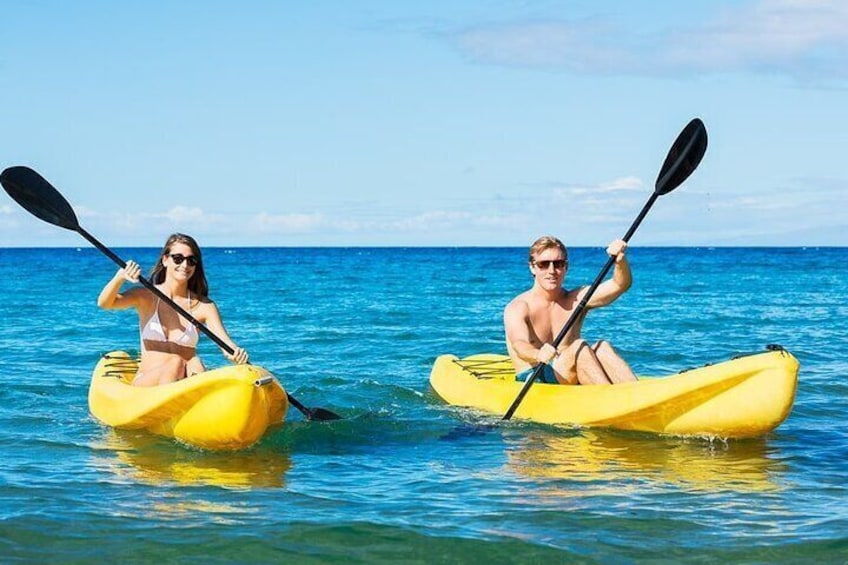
point(576, 291)
point(519, 303)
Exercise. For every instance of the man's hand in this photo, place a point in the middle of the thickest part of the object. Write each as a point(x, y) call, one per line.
point(546, 354)
point(616, 249)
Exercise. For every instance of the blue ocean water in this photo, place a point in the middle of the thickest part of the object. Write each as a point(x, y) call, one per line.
point(356, 331)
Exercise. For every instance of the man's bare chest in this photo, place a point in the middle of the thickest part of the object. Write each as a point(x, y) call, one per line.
point(547, 321)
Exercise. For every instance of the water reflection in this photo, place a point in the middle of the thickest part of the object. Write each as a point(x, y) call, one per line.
point(146, 458)
point(610, 457)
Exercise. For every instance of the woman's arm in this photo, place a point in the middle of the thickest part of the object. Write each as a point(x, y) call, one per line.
point(110, 297)
point(214, 323)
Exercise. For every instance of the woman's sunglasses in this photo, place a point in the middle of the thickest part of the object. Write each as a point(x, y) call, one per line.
point(558, 264)
point(178, 259)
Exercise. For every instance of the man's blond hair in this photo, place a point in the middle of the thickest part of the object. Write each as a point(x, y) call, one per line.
point(547, 242)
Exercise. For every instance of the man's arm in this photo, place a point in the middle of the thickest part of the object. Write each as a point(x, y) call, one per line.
point(517, 327)
point(621, 279)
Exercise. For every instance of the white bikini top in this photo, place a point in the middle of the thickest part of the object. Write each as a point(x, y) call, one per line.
point(153, 330)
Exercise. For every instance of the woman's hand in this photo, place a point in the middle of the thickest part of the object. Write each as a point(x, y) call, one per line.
point(110, 297)
point(131, 272)
point(239, 356)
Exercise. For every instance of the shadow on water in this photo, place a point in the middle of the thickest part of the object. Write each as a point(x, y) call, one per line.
point(145, 458)
point(370, 432)
point(467, 431)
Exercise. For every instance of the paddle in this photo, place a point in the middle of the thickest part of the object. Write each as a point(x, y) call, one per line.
point(683, 158)
point(42, 200)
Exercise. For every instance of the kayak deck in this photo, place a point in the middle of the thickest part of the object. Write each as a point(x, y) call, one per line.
point(227, 408)
point(745, 397)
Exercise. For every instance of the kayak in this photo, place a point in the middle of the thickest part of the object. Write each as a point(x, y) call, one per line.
point(222, 409)
point(747, 396)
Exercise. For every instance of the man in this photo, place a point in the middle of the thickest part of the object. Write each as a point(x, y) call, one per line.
point(533, 319)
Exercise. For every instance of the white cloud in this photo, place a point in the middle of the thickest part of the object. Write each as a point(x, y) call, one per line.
point(438, 219)
point(601, 203)
point(288, 223)
point(797, 38)
point(505, 221)
point(178, 218)
point(8, 219)
point(184, 214)
point(771, 35)
point(433, 222)
point(623, 184)
point(755, 203)
point(85, 212)
point(583, 214)
point(542, 44)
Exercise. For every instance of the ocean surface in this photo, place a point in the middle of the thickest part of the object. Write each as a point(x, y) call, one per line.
point(403, 477)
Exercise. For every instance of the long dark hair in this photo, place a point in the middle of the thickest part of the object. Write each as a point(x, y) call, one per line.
point(197, 283)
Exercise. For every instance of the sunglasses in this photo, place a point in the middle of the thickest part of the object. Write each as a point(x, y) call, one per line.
point(558, 264)
point(178, 259)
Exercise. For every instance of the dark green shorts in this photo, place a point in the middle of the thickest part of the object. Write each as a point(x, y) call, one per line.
point(547, 375)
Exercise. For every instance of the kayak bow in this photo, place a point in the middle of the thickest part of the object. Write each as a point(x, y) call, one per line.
point(227, 408)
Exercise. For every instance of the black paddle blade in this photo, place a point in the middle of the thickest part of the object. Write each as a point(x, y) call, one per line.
point(322, 415)
point(38, 197)
point(683, 157)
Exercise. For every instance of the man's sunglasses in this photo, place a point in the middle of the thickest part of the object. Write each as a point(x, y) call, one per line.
point(558, 264)
point(179, 258)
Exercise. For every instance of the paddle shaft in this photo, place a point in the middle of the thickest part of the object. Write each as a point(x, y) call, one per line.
point(580, 307)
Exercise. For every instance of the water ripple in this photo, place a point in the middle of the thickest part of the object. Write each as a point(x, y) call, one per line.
point(404, 477)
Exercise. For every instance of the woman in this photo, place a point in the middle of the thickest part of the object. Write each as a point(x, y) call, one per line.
point(169, 341)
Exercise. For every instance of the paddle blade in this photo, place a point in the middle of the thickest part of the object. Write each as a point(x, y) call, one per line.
point(323, 415)
point(320, 414)
point(38, 197)
point(683, 157)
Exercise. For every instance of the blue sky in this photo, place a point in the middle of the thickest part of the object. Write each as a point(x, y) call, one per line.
point(435, 123)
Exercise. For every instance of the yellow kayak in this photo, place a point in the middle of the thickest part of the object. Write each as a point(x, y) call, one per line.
point(227, 408)
point(745, 397)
